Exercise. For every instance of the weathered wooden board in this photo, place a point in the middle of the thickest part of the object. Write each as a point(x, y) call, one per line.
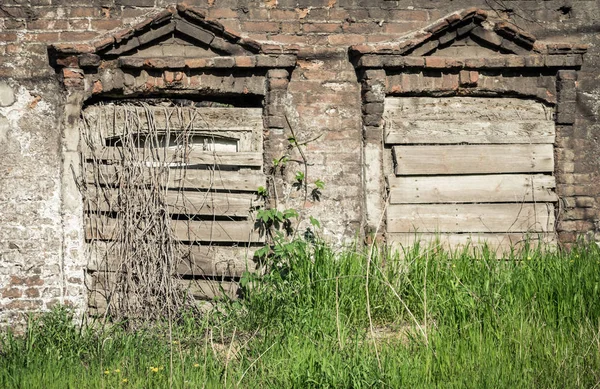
point(401, 131)
point(473, 159)
point(497, 188)
point(178, 156)
point(187, 202)
point(458, 108)
point(228, 261)
point(433, 218)
point(184, 178)
point(198, 289)
point(115, 118)
point(499, 243)
point(99, 227)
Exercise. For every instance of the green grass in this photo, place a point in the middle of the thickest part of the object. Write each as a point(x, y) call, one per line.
point(431, 319)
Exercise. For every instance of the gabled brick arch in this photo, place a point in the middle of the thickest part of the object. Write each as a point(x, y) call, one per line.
point(178, 54)
point(467, 53)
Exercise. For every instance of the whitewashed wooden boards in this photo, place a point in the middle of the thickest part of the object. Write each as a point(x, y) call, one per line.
point(469, 170)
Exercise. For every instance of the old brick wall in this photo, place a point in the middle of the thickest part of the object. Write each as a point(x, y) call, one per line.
point(323, 103)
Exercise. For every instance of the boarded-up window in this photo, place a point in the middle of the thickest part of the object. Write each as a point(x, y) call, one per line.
point(155, 175)
point(468, 170)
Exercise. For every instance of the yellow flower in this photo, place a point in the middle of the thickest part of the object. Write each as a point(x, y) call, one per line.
point(529, 258)
point(196, 365)
point(154, 369)
point(124, 380)
point(106, 371)
point(117, 370)
point(175, 342)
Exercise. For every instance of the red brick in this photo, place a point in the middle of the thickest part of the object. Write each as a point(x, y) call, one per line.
point(14, 24)
point(435, 62)
point(222, 13)
point(321, 27)
point(408, 15)
point(23, 305)
point(450, 82)
point(77, 36)
point(261, 26)
point(105, 24)
point(97, 87)
point(8, 36)
point(84, 12)
point(79, 24)
point(346, 39)
point(291, 27)
point(282, 14)
point(41, 37)
point(400, 28)
point(12, 293)
point(32, 292)
point(245, 62)
point(45, 24)
point(34, 281)
point(362, 28)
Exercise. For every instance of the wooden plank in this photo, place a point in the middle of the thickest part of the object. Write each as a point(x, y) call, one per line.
point(401, 131)
point(218, 261)
point(432, 218)
point(498, 243)
point(118, 119)
point(100, 227)
point(474, 108)
point(500, 188)
point(185, 178)
point(179, 202)
point(473, 159)
point(178, 156)
point(199, 289)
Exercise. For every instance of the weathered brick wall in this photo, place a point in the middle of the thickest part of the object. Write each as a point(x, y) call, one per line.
point(323, 102)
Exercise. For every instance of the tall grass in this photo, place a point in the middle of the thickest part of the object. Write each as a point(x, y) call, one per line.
point(435, 319)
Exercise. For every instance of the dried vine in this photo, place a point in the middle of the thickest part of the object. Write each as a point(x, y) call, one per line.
point(129, 225)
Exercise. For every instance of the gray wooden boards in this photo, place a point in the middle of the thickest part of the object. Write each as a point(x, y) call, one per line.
point(202, 166)
point(494, 188)
point(467, 170)
point(473, 159)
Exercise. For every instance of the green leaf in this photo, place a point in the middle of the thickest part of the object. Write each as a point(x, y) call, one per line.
point(299, 176)
point(315, 222)
point(320, 184)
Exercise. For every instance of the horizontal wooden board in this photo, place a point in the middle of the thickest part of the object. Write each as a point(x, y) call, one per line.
point(401, 131)
point(459, 108)
point(178, 156)
point(498, 243)
point(433, 218)
point(185, 178)
point(180, 202)
point(473, 159)
point(217, 261)
point(105, 228)
point(118, 119)
point(199, 289)
point(497, 188)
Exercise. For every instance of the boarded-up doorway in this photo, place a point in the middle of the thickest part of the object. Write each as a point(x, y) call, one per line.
point(468, 170)
point(166, 182)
